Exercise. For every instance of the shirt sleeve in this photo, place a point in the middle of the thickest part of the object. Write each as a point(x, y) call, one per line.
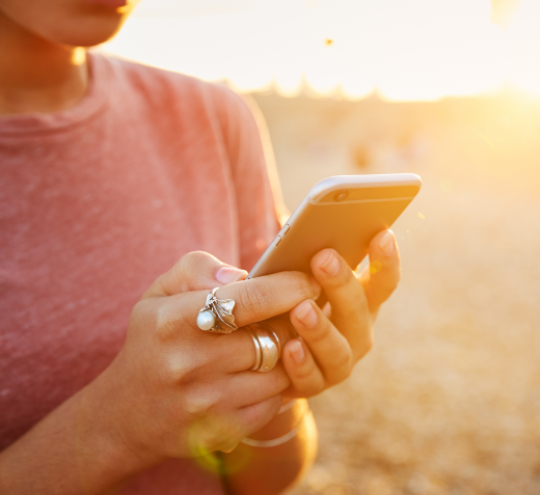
point(254, 176)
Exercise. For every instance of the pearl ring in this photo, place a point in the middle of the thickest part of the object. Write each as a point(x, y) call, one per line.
point(217, 315)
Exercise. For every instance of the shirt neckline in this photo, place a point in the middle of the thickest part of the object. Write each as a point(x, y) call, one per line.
point(91, 104)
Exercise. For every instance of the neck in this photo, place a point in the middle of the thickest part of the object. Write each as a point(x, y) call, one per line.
point(37, 75)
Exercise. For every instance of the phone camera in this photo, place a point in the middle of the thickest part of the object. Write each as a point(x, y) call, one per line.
point(341, 195)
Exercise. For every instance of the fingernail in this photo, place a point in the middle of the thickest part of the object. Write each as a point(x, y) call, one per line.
point(331, 264)
point(306, 314)
point(228, 274)
point(387, 243)
point(296, 351)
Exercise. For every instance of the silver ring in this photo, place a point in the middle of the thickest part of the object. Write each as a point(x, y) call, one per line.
point(258, 351)
point(216, 316)
point(267, 348)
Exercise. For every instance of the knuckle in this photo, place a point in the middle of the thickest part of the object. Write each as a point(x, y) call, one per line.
point(305, 373)
point(340, 367)
point(308, 380)
point(194, 258)
point(318, 335)
point(167, 323)
point(315, 388)
point(179, 369)
point(199, 404)
point(200, 259)
point(139, 311)
point(191, 263)
point(365, 347)
point(354, 313)
point(181, 269)
point(302, 286)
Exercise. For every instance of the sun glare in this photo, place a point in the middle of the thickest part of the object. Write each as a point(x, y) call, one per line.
point(523, 45)
point(404, 50)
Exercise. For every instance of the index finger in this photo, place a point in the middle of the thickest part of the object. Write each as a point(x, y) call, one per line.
point(255, 299)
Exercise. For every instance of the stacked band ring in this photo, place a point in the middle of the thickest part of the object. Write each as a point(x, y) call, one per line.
point(267, 347)
point(216, 316)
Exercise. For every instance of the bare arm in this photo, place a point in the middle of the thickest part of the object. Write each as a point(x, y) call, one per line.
point(72, 451)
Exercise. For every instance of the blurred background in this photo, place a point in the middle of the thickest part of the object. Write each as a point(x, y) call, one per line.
point(448, 401)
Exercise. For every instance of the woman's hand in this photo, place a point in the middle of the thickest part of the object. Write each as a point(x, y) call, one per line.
point(172, 391)
point(334, 339)
point(177, 391)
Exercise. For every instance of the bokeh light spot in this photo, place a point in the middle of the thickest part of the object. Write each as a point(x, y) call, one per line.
point(375, 267)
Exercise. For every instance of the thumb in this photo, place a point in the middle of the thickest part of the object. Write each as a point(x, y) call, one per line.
point(194, 271)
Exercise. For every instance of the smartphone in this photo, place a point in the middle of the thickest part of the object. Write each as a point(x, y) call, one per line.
point(343, 212)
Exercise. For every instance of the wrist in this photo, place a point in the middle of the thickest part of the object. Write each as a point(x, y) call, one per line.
point(283, 423)
point(266, 467)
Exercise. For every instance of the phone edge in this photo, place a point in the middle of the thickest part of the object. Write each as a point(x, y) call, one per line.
point(337, 182)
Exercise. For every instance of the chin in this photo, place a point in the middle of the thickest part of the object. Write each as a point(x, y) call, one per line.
point(66, 22)
point(87, 33)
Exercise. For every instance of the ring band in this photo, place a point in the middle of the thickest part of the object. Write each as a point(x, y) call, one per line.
point(258, 351)
point(216, 316)
point(267, 348)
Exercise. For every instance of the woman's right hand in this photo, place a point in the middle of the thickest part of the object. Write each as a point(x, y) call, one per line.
point(177, 391)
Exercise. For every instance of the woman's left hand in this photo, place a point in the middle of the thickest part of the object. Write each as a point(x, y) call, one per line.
point(332, 340)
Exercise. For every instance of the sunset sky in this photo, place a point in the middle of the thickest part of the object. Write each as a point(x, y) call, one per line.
point(403, 49)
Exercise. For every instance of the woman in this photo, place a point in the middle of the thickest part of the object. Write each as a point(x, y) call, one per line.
point(111, 172)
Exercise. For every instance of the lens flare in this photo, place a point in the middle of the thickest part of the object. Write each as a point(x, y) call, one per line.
point(375, 267)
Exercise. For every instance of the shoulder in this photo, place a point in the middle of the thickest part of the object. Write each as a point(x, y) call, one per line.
point(162, 88)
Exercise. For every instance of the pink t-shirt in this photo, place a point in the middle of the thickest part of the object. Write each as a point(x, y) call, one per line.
point(95, 203)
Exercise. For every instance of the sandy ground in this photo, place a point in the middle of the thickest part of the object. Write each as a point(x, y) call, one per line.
point(447, 402)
